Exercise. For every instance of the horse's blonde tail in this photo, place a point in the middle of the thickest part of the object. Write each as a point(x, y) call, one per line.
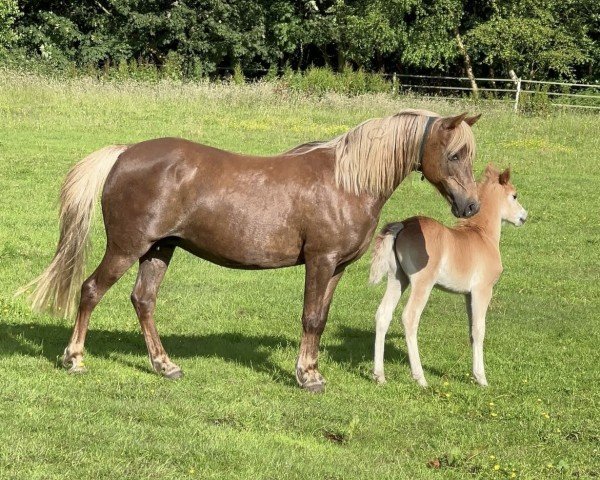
point(383, 252)
point(57, 288)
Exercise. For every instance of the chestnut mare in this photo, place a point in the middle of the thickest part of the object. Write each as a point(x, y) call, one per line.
point(317, 205)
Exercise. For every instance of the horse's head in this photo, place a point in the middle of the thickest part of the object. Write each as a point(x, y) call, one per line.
point(447, 162)
point(504, 193)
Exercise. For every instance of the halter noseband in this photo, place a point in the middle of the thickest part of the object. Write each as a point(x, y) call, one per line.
point(426, 131)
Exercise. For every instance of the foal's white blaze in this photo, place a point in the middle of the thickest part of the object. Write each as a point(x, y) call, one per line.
point(464, 259)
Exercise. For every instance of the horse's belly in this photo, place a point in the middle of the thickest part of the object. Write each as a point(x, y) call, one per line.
point(235, 246)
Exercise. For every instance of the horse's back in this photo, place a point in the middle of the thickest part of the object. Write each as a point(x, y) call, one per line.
point(418, 244)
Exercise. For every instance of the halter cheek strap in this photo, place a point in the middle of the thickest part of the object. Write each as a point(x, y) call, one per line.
point(426, 131)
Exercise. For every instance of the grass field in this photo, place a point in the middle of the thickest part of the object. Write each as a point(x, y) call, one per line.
point(238, 412)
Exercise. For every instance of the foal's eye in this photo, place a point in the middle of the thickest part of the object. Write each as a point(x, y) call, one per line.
point(515, 196)
point(454, 158)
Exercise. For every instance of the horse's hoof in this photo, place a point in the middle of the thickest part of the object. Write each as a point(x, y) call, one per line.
point(422, 382)
point(174, 374)
point(73, 365)
point(77, 370)
point(311, 381)
point(380, 379)
point(314, 387)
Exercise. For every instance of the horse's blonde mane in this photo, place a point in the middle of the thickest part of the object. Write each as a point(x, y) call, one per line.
point(378, 154)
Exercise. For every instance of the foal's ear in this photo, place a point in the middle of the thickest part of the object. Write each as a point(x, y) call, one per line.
point(504, 177)
point(470, 121)
point(491, 171)
point(450, 123)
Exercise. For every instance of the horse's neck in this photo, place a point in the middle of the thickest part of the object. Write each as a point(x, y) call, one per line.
point(488, 221)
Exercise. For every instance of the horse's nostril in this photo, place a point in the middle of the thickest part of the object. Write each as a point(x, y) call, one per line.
point(471, 209)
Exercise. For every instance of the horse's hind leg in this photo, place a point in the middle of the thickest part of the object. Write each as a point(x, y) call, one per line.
point(397, 283)
point(111, 268)
point(152, 270)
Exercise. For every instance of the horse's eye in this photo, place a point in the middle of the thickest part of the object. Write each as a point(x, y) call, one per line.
point(515, 196)
point(454, 158)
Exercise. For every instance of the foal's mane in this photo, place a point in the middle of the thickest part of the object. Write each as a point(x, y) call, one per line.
point(375, 156)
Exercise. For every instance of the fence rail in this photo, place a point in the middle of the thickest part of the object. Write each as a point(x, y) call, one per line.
point(587, 95)
point(513, 90)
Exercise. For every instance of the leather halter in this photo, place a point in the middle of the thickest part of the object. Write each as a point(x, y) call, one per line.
point(426, 131)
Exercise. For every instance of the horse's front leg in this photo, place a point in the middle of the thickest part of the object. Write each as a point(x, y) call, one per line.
point(479, 301)
point(321, 280)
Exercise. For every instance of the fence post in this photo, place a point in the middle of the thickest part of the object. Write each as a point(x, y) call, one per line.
point(394, 83)
point(517, 94)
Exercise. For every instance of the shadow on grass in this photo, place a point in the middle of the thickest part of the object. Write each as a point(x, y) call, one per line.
point(347, 346)
point(49, 341)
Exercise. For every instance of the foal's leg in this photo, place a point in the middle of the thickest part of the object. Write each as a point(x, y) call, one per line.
point(480, 299)
point(397, 283)
point(321, 280)
point(111, 268)
point(411, 316)
point(152, 270)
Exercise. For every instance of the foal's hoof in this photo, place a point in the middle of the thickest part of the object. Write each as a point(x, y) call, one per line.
point(480, 379)
point(422, 382)
point(380, 379)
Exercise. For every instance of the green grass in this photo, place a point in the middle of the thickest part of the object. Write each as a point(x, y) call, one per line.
point(238, 413)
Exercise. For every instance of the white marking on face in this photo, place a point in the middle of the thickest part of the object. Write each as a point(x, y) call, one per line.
point(516, 214)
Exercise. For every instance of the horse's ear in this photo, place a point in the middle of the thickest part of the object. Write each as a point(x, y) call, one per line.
point(470, 121)
point(504, 177)
point(490, 171)
point(450, 123)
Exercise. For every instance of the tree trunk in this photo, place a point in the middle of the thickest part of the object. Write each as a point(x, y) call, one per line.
point(342, 62)
point(467, 62)
point(493, 75)
point(326, 58)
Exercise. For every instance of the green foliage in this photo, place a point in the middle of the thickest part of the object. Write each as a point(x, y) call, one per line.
point(535, 102)
point(194, 39)
point(532, 47)
point(238, 75)
point(9, 13)
point(431, 38)
point(318, 81)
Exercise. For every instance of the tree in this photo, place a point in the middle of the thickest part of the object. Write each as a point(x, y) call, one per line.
point(9, 12)
point(533, 38)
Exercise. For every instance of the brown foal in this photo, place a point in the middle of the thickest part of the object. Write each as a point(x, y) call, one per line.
point(423, 253)
point(317, 205)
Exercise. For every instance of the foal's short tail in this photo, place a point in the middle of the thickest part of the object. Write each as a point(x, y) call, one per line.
point(57, 288)
point(383, 251)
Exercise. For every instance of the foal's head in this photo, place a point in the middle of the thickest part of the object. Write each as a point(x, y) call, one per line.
point(447, 162)
point(497, 187)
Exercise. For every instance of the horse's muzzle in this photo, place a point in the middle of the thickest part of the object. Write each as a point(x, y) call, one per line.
point(467, 210)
